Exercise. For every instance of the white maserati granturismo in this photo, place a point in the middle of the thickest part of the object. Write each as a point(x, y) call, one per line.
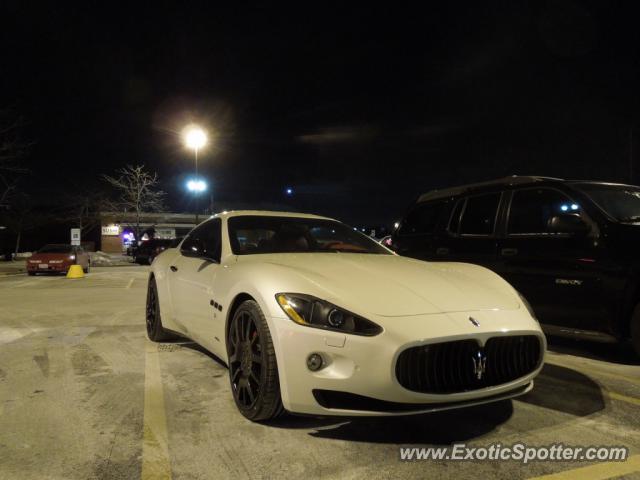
point(313, 317)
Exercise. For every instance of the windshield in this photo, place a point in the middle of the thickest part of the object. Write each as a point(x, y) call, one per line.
point(263, 234)
point(55, 249)
point(622, 202)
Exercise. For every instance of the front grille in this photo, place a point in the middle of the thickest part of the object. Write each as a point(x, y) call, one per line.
point(449, 367)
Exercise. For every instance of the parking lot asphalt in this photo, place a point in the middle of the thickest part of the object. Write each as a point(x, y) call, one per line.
point(84, 394)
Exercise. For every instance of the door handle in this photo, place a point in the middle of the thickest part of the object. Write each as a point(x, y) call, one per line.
point(509, 252)
point(173, 268)
point(442, 251)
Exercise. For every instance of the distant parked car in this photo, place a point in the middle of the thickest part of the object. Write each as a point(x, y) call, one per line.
point(386, 242)
point(150, 249)
point(569, 247)
point(57, 258)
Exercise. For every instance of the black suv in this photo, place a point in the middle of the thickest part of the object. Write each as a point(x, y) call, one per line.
point(568, 246)
point(150, 249)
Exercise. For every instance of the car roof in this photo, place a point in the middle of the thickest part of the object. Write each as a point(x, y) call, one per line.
point(267, 213)
point(501, 182)
point(598, 182)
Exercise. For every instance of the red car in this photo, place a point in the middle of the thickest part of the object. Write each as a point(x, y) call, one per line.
point(57, 258)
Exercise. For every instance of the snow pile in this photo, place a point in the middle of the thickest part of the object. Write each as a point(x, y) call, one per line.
point(23, 254)
point(101, 259)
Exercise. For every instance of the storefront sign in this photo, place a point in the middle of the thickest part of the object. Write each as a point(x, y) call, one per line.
point(111, 230)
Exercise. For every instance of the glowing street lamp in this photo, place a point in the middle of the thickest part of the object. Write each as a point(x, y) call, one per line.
point(196, 186)
point(195, 138)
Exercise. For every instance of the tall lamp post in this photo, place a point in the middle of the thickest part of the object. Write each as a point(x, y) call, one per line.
point(195, 138)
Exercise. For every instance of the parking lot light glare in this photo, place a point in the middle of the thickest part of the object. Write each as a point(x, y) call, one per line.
point(196, 186)
point(195, 138)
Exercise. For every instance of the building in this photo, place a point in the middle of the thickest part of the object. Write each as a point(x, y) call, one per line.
point(118, 228)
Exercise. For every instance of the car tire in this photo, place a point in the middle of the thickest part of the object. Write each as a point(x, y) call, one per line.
point(635, 329)
point(253, 369)
point(31, 274)
point(155, 331)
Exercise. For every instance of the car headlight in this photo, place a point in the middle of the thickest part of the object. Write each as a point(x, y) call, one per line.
point(527, 305)
point(313, 312)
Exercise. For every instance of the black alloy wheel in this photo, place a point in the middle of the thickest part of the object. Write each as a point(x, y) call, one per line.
point(155, 331)
point(253, 370)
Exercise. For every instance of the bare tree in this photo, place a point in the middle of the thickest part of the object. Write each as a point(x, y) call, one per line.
point(24, 217)
point(80, 210)
point(12, 149)
point(138, 192)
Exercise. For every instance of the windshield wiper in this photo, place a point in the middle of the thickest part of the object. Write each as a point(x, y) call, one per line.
point(634, 218)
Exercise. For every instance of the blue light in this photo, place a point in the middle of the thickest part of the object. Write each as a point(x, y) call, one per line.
point(289, 191)
point(574, 206)
point(196, 186)
point(564, 208)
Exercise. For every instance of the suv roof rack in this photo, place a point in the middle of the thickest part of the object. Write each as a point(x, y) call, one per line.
point(512, 180)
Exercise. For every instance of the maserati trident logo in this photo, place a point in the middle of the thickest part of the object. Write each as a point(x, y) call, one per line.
point(479, 364)
point(475, 322)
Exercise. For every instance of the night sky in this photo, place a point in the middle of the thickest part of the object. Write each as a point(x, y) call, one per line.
point(357, 109)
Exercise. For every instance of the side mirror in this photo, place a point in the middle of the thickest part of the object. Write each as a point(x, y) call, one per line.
point(194, 249)
point(198, 249)
point(570, 223)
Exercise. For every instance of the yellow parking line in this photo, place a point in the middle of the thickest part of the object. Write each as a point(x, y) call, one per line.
point(624, 398)
point(599, 471)
point(155, 445)
point(614, 395)
point(130, 283)
point(596, 371)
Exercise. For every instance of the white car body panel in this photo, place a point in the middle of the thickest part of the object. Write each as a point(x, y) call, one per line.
point(415, 302)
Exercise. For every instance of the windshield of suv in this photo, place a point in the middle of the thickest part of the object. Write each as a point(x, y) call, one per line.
point(264, 234)
point(622, 202)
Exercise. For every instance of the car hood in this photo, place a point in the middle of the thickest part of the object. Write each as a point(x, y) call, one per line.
point(390, 285)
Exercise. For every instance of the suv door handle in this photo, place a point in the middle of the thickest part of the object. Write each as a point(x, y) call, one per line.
point(173, 268)
point(509, 252)
point(442, 251)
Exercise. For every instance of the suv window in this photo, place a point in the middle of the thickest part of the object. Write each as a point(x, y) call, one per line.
point(208, 235)
point(454, 222)
point(423, 218)
point(479, 215)
point(532, 208)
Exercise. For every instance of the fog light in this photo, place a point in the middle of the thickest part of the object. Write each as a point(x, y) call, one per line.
point(314, 362)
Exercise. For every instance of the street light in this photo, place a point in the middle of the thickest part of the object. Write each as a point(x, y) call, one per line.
point(196, 186)
point(195, 138)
